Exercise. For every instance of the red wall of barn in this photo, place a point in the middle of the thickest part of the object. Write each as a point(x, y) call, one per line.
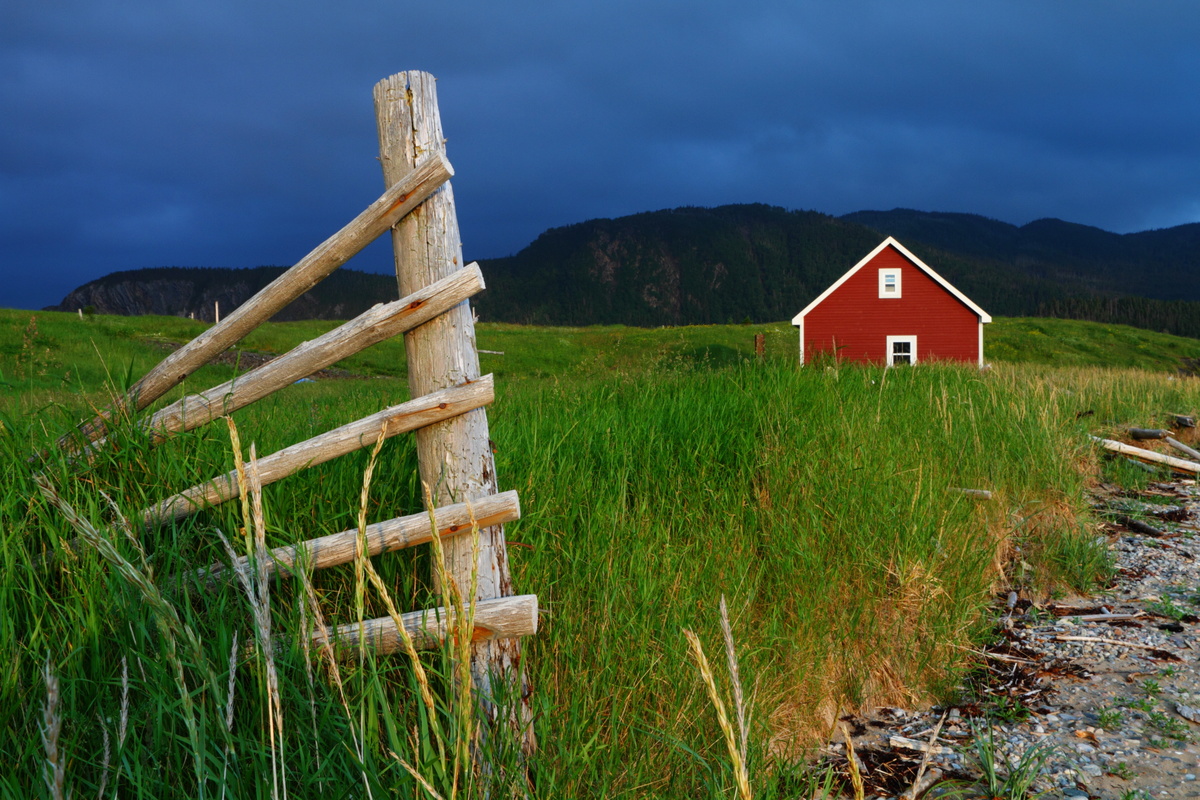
point(855, 321)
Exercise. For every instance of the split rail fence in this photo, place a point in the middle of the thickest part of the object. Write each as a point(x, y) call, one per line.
point(447, 413)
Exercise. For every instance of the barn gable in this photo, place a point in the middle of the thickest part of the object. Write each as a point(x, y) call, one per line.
point(891, 307)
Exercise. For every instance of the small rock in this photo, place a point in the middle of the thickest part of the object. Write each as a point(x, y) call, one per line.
point(1188, 712)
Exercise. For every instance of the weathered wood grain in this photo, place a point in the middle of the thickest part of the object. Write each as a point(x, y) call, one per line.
point(371, 327)
point(1148, 455)
point(454, 457)
point(504, 617)
point(410, 416)
point(393, 534)
point(403, 195)
point(1183, 448)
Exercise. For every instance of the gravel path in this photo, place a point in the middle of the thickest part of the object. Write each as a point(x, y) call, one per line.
point(1109, 684)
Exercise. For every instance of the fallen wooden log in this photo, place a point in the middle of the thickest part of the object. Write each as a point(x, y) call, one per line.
point(501, 618)
point(405, 417)
point(1148, 433)
point(1142, 527)
point(1141, 466)
point(1183, 421)
point(1183, 448)
point(392, 206)
point(978, 494)
point(918, 745)
point(1106, 640)
point(383, 537)
point(374, 326)
point(1107, 617)
point(1177, 464)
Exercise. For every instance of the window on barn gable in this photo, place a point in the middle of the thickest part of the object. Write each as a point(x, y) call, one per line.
point(889, 282)
point(901, 350)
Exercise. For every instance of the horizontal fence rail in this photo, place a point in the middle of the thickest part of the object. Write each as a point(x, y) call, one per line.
point(504, 617)
point(410, 416)
point(383, 537)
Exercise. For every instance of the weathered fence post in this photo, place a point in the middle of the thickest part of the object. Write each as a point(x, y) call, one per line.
point(455, 455)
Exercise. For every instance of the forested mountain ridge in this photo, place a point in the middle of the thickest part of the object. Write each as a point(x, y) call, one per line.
point(712, 265)
point(696, 265)
point(196, 291)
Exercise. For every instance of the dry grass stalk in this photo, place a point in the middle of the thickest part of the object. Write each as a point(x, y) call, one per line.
point(53, 772)
point(735, 756)
point(916, 784)
point(739, 701)
point(463, 627)
point(233, 649)
point(335, 673)
point(856, 780)
point(255, 581)
point(364, 567)
point(169, 623)
point(123, 723)
point(106, 757)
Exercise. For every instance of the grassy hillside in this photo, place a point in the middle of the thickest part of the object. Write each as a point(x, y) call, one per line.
point(48, 355)
point(658, 470)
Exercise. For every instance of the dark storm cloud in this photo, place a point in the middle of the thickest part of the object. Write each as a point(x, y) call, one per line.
point(241, 133)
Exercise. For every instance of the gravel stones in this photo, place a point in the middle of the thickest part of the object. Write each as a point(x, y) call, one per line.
point(1111, 684)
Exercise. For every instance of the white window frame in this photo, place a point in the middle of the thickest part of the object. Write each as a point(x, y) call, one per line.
point(912, 348)
point(884, 274)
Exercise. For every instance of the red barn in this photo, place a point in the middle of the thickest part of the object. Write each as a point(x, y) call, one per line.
point(891, 308)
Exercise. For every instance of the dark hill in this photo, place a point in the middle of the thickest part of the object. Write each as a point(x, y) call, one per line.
point(193, 291)
point(712, 265)
point(731, 263)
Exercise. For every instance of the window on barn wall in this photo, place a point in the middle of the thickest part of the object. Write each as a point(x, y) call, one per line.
point(889, 283)
point(901, 350)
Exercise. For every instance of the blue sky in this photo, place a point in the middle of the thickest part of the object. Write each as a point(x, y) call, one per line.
point(141, 133)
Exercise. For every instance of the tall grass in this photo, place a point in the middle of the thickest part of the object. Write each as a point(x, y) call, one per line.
point(816, 500)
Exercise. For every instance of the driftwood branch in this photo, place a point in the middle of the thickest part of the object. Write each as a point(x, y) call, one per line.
point(1183, 448)
point(502, 618)
point(393, 205)
point(978, 494)
point(1142, 527)
point(394, 534)
point(405, 417)
point(379, 323)
point(1106, 640)
point(1177, 464)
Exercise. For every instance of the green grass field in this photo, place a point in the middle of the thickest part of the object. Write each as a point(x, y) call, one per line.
point(658, 470)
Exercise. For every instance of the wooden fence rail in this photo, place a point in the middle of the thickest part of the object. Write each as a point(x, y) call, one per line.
point(392, 534)
point(503, 617)
point(410, 416)
point(396, 203)
point(373, 326)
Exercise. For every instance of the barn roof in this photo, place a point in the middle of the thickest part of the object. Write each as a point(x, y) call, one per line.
point(918, 263)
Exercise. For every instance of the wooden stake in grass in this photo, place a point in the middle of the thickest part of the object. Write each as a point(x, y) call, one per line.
point(454, 457)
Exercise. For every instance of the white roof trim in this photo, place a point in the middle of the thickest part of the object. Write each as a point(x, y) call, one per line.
point(890, 241)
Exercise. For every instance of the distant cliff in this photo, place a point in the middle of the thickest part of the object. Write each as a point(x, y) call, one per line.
point(195, 291)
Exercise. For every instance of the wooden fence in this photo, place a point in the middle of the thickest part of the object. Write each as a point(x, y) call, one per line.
point(447, 413)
